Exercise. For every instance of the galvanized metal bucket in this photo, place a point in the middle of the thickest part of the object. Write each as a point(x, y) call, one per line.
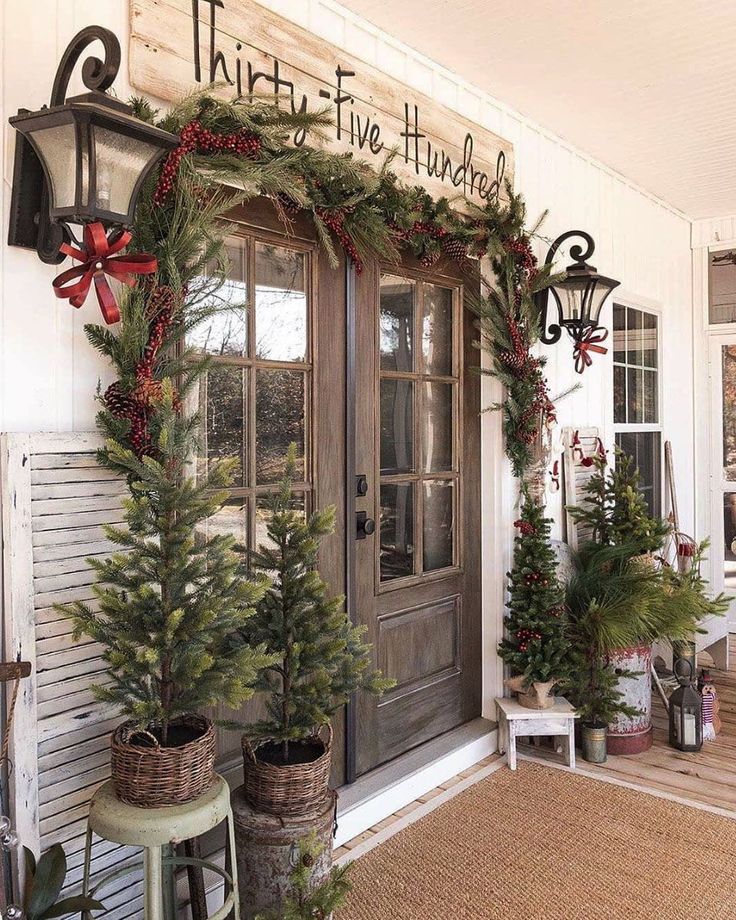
point(594, 742)
point(632, 734)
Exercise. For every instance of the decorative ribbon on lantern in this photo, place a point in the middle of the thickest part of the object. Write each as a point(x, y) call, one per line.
point(589, 340)
point(98, 258)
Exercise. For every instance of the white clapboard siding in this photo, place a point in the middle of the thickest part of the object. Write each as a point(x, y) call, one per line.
point(55, 499)
point(575, 477)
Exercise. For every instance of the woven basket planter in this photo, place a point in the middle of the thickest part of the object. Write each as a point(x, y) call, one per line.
point(155, 776)
point(292, 789)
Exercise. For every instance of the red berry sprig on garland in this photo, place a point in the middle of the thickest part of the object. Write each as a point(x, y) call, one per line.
point(334, 219)
point(525, 527)
point(193, 137)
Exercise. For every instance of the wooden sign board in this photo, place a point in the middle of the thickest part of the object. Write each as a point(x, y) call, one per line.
point(178, 45)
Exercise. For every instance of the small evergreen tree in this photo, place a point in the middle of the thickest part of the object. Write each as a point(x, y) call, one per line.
point(321, 656)
point(171, 600)
point(614, 507)
point(535, 645)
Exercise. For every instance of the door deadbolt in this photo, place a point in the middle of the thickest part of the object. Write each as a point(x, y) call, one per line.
point(364, 526)
point(361, 485)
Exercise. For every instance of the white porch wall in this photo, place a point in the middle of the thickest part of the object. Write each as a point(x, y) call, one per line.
point(48, 373)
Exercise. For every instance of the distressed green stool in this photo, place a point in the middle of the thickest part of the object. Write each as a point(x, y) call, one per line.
point(156, 830)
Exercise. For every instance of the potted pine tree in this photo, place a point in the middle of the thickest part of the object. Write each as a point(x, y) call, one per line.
point(168, 604)
point(320, 660)
point(535, 645)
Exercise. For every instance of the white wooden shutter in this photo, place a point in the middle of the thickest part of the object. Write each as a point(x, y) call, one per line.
point(55, 499)
point(575, 476)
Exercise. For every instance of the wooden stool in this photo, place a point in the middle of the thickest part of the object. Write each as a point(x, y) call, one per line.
point(515, 719)
point(155, 829)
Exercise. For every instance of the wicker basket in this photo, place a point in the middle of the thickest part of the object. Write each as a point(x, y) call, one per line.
point(153, 777)
point(292, 790)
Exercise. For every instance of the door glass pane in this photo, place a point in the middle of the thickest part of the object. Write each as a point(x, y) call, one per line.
point(280, 405)
point(437, 439)
point(281, 304)
point(644, 447)
point(437, 330)
point(729, 540)
point(438, 525)
point(224, 331)
point(397, 426)
point(619, 394)
point(222, 407)
point(619, 333)
point(722, 287)
point(728, 357)
point(397, 323)
point(396, 531)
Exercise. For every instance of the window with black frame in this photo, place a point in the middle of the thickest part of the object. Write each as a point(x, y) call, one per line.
point(636, 413)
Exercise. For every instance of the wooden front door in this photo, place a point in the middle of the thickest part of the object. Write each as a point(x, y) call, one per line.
point(417, 576)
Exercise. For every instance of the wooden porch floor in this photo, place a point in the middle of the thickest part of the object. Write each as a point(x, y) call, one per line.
point(708, 777)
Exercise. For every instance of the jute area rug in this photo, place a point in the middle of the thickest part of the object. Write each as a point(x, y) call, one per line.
point(544, 844)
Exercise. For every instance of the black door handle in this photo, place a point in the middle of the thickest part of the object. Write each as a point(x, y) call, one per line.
point(364, 526)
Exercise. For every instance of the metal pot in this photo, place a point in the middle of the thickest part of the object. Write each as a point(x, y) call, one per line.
point(594, 742)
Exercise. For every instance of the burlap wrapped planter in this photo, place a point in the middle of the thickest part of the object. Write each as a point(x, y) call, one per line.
point(153, 776)
point(288, 789)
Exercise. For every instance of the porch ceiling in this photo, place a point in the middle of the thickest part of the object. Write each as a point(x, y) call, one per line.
point(647, 88)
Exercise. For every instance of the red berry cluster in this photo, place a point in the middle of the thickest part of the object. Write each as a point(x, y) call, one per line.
point(137, 405)
point(556, 611)
point(287, 203)
point(536, 578)
point(521, 249)
point(335, 220)
point(194, 137)
point(526, 528)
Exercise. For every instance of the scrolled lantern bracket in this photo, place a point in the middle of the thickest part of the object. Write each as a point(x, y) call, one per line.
point(551, 334)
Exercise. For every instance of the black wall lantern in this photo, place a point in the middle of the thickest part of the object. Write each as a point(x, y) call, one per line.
point(80, 160)
point(579, 298)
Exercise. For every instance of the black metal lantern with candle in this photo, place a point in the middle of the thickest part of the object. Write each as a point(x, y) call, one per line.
point(686, 711)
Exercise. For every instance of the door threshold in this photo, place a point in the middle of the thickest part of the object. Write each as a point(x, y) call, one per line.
point(386, 789)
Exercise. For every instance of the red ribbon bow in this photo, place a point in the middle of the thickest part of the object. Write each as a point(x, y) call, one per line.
point(588, 342)
point(98, 259)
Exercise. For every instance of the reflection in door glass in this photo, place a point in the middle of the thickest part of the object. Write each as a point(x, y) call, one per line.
point(438, 529)
point(729, 540)
point(281, 304)
point(397, 323)
point(397, 531)
point(437, 418)
point(280, 416)
point(728, 355)
point(722, 287)
point(224, 332)
point(437, 330)
point(222, 411)
point(397, 426)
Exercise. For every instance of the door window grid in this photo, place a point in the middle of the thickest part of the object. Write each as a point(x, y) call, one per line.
point(419, 398)
point(637, 427)
point(255, 398)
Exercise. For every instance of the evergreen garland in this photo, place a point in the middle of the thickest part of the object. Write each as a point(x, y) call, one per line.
point(536, 645)
point(231, 151)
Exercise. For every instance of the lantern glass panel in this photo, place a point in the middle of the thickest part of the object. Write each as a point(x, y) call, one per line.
point(602, 288)
point(120, 163)
point(572, 293)
point(57, 148)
